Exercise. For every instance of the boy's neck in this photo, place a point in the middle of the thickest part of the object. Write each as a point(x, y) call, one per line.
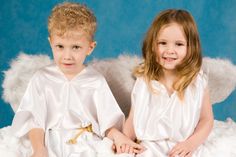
point(71, 76)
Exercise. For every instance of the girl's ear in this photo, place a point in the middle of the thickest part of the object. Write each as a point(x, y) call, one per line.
point(91, 47)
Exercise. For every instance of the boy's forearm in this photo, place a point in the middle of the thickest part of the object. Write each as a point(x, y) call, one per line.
point(36, 137)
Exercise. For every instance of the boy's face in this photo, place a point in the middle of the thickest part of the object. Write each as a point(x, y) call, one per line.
point(70, 51)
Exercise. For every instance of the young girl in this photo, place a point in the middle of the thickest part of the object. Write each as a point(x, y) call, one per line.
point(171, 114)
point(67, 108)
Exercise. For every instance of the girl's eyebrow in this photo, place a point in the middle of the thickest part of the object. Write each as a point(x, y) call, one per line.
point(161, 39)
point(183, 41)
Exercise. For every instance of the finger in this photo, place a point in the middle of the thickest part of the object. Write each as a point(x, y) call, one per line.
point(118, 149)
point(126, 149)
point(182, 154)
point(113, 147)
point(189, 154)
point(174, 149)
point(142, 149)
point(123, 148)
point(174, 153)
point(138, 151)
point(137, 146)
point(131, 149)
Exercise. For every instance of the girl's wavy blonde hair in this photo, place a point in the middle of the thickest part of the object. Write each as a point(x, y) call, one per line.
point(70, 16)
point(150, 69)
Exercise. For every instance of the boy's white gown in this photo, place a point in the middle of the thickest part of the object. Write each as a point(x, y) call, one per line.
point(160, 121)
point(60, 107)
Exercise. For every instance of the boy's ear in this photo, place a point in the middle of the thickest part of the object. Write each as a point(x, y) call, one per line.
point(92, 46)
point(49, 40)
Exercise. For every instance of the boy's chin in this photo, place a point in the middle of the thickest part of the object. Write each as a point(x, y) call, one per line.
point(71, 72)
point(69, 75)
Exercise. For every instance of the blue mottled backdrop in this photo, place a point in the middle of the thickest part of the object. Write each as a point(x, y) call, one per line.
point(121, 28)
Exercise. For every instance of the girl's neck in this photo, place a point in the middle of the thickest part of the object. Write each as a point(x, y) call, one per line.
point(168, 78)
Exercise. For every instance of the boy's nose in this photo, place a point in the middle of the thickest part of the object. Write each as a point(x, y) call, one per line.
point(67, 55)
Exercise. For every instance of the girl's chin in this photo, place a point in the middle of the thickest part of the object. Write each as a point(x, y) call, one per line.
point(169, 65)
point(169, 68)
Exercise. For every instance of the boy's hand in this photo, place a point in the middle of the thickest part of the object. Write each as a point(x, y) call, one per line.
point(182, 149)
point(42, 152)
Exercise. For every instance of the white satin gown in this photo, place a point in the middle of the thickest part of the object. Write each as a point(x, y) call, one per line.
point(60, 107)
point(160, 121)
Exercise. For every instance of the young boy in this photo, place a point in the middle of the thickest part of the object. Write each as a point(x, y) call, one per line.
point(68, 108)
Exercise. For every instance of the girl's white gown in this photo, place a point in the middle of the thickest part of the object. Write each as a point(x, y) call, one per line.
point(60, 107)
point(160, 120)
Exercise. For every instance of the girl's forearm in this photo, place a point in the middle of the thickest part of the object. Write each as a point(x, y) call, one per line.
point(205, 123)
point(201, 132)
point(129, 131)
point(128, 128)
point(111, 133)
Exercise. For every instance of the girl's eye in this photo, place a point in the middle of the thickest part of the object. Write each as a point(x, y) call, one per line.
point(161, 43)
point(180, 44)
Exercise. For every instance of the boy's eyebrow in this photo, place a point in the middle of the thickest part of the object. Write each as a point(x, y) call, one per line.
point(58, 44)
point(76, 45)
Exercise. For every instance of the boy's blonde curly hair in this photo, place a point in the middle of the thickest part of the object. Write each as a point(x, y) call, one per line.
point(69, 16)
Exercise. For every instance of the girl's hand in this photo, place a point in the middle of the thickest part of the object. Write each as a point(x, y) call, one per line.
point(182, 149)
point(41, 152)
point(125, 145)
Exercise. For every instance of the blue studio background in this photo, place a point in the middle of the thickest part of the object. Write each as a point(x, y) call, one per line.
point(121, 28)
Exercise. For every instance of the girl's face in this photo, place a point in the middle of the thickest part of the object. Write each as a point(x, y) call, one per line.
point(171, 47)
point(70, 51)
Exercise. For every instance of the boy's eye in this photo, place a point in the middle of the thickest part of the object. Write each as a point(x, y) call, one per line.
point(76, 47)
point(59, 46)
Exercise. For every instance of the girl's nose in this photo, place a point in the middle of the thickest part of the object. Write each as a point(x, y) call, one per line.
point(170, 49)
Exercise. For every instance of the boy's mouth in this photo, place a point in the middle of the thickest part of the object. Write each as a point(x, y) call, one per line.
point(67, 64)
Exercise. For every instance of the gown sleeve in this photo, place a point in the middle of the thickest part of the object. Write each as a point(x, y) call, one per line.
point(32, 109)
point(204, 80)
point(109, 113)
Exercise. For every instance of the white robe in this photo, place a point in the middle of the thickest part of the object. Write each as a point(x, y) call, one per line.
point(60, 107)
point(160, 120)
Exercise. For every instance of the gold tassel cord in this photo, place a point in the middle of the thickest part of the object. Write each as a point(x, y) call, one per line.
point(81, 130)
